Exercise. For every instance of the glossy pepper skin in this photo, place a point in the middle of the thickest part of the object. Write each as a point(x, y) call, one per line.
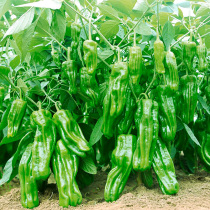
point(128, 113)
point(2, 92)
point(172, 77)
point(121, 167)
point(115, 100)
point(201, 52)
point(89, 87)
point(75, 34)
point(44, 143)
point(15, 116)
point(29, 191)
point(188, 98)
point(90, 55)
point(159, 56)
point(69, 69)
point(71, 133)
point(189, 51)
point(147, 125)
point(167, 113)
point(65, 167)
point(164, 168)
point(135, 64)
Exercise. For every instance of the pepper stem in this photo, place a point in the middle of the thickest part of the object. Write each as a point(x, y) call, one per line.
point(20, 92)
point(144, 94)
point(57, 104)
point(157, 34)
point(39, 105)
point(69, 54)
point(90, 38)
point(134, 39)
point(119, 59)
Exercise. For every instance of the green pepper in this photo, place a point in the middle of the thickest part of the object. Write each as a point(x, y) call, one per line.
point(159, 55)
point(89, 87)
point(71, 133)
point(29, 191)
point(121, 160)
point(135, 64)
point(75, 34)
point(188, 98)
point(115, 100)
point(147, 125)
point(147, 179)
point(65, 166)
point(15, 117)
point(90, 56)
point(172, 77)
point(167, 113)
point(164, 168)
point(201, 52)
point(2, 92)
point(189, 51)
point(44, 143)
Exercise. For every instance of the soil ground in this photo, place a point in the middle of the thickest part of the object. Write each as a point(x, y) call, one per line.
point(194, 193)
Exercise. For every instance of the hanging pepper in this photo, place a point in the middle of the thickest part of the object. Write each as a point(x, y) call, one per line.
point(65, 166)
point(167, 113)
point(164, 168)
point(146, 120)
point(44, 143)
point(71, 133)
point(189, 51)
point(69, 69)
point(75, 34)
point(188, 98)
point(121, 167)
point(115, 100)
point(159, 55)
point(15, 117)
point(172, 77)
point(89, 87)
point(2, 92)
point(29, 191)
point(90, 56)
point(135, 64)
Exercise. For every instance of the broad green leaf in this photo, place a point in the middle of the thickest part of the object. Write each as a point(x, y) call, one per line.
point(168, 34)
point(15, 62)
point(4, 71)
point(22, 23)
point(4, 7)
point(184, 4)
point(109, 28)
point(108, 11)
point(106, 54)
point(140, 6)
point(96, 134)
point(143, 29)
point(163, 18)
point(180, 125)
point(21, 84)
point(69, 11)
point(88, 165)
point(203, 104)
point(203, 10)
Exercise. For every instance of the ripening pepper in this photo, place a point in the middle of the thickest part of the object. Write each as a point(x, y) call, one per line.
point(65, 167)
point(2, 92)
point(188, 98)
point(135, 64)
point(172, 77)
point(147, 125)
point(121, 161)
point(89, 87)
point(75, 34)
point(164, 168)
point(167, 113)
point(207, 93)
point(128, 113)
point(90, 56)
point(201, 52)
point(115, 100)
point(159, 56)
point(44, 143)
point(71, 133)
point(29, 191)
point(15, 117)
point(189, 51)
point(147, 179)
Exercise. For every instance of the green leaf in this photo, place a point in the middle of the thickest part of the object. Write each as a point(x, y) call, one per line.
point(4, 7)
point(143, 29)
point(88, 165)
point(21, 84)
point(168, 34)
point(108, 11)
point(15, 62)
point(4, 71)
point(22, 23)
point(110, 28)
point(96, 134)
point(203, 10)
point(203, 104)
point(180, 125)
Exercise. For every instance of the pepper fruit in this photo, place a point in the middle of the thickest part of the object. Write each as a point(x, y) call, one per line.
point(71, 133)
point(15, 116)
point(65, 166)
point(90, 56)
point(201, 52)
point(167, 113)
point(89, 87)
point(128, 113)
point(159, 55)
point(44, 143)
point(121, 167)
point(2, 92)
point(164, 168)
point(115, 100)
point(29, 191)
point(188, 98)
point(189, 51)
point(147, 178)
point(135, 64)
point(172, 77)
point(75, 34)
point(147, 125)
